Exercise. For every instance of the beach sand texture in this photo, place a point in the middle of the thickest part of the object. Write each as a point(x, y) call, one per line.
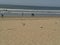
point(41, 31)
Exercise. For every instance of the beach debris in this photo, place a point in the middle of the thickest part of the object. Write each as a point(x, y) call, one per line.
point(56, 22)
point(23, 24)
point(9, 29)
point(54, 29)
point(41, 27)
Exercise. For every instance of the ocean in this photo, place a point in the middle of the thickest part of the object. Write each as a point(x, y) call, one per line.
point(22, 10)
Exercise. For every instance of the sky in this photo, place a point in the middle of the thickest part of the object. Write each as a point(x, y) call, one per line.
point(32, 2)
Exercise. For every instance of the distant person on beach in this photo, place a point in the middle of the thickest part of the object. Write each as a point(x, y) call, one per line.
point(32, 14)
point(2, 15)
point(6, 10)
point(22, 14)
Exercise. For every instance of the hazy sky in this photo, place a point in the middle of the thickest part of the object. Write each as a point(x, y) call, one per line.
point(32, 2)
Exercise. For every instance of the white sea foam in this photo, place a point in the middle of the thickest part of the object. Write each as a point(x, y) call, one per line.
point(28, 11)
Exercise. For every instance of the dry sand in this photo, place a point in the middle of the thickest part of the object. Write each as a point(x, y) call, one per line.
point(30, 31)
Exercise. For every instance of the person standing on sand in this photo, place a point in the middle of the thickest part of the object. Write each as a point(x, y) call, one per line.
point(2, 15)
point(32, 14)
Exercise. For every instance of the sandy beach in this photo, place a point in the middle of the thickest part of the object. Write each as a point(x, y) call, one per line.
point(30, 31)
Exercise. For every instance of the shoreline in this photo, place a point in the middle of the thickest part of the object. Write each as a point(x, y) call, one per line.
point(28, 16)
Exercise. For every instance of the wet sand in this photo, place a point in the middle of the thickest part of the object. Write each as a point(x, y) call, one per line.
point(30, 31)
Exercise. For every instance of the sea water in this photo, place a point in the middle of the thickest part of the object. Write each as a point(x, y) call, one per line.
point(21, 10)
